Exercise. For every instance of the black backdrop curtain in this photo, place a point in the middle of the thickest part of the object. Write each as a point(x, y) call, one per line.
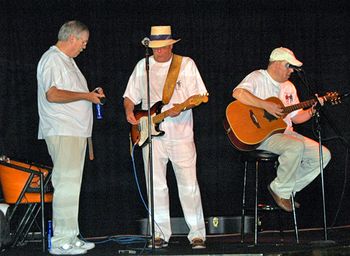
point(227, 40)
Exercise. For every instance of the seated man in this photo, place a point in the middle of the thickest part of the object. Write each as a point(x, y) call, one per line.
point(298, 155)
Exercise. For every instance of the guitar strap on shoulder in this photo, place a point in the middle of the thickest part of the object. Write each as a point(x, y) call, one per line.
point(171, 78)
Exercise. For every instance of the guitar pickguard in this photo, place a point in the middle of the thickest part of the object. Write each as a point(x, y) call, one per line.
point(143, 130)
point(269, 117)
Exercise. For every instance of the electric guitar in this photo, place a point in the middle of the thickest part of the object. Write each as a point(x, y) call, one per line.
point(139, 132)
point(247, 126)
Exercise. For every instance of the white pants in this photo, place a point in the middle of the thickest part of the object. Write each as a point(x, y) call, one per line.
point(299, 161)
point(68, 154)
point(183, 158)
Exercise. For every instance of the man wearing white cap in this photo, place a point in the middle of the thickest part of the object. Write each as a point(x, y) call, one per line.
point(173, 79)
point(298, 155)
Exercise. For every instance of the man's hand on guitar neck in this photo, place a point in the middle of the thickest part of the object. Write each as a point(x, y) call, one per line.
point(175, 111)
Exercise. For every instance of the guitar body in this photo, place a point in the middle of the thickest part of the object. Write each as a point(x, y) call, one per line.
point(136, 132)
point(139, 132)
point(247, 126)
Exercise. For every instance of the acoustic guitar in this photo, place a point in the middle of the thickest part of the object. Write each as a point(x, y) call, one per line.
point(247, 126)
point(139, 132)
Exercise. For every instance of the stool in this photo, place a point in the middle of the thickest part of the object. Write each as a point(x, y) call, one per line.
point(257, 157)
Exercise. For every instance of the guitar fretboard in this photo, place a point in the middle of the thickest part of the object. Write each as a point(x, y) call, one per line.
point(161, 116)
point(190, 102)
point(304, 104)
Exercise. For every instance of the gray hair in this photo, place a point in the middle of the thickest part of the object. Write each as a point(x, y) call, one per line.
point(72, 27)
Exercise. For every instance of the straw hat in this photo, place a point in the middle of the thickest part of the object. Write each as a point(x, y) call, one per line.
point(161, 36)
point(282, 53)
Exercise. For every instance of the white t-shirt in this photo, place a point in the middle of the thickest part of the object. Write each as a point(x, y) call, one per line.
point(261, 84)
point(64, 119)
point(189, 83)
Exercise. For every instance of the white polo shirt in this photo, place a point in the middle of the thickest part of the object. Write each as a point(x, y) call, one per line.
point(64, 119)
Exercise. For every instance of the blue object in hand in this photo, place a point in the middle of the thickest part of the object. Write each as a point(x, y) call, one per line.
point(99, 111)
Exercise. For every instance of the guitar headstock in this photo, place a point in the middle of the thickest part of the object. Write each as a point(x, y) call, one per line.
point(332, 98)
point(198, 99)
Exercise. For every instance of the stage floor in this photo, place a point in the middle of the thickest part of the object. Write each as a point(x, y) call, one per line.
point(312, 242)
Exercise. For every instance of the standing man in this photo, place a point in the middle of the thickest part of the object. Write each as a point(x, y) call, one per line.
point(298, 155)
point(65, 122)
point(177, 144)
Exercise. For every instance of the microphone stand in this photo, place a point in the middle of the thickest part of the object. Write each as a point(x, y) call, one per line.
point(318, 128)
point(149, 142)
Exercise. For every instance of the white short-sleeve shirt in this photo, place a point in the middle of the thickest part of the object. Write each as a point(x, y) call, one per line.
point(189, 83)
point(261, 84)
point(64, 119)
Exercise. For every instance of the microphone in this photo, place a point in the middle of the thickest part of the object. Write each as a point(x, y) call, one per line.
point(296, 68)
point(145, 41)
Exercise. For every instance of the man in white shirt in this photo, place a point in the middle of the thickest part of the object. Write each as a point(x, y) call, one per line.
point(298, 155)
point(65, 122)
point(177, 143)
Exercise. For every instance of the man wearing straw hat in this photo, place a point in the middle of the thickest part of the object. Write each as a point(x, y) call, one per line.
point(173, 80)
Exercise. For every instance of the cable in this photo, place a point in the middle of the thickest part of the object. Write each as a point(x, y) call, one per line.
point(136, 179)
point(129, 240)
point(139, 188)
point(123, 240)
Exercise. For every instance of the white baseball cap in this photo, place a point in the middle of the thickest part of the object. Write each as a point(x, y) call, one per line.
point(282, 53)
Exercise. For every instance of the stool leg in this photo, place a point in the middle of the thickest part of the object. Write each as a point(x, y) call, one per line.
point(256, 203)
point(295, 219)
point(243, 201)
point(281, 226)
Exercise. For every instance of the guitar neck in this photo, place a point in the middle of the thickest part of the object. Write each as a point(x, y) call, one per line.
point(161, 116)
point(303, 104)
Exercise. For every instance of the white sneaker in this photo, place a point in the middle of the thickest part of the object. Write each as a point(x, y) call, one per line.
point(67, 249)
point(84, 245)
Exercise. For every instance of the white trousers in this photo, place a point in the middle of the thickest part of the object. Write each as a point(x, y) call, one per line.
point(183, 158)
point(299, 161)
point(68, 154)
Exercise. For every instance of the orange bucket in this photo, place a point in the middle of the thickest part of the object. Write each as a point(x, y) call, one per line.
point(13, 181)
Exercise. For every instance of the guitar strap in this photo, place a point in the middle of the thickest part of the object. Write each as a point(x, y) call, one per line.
point(171, 78)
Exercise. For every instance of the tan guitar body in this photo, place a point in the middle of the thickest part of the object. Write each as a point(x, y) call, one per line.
point(247, 127)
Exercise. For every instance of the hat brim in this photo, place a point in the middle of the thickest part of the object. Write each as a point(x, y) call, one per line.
point(295, 62)
point(162, 43)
